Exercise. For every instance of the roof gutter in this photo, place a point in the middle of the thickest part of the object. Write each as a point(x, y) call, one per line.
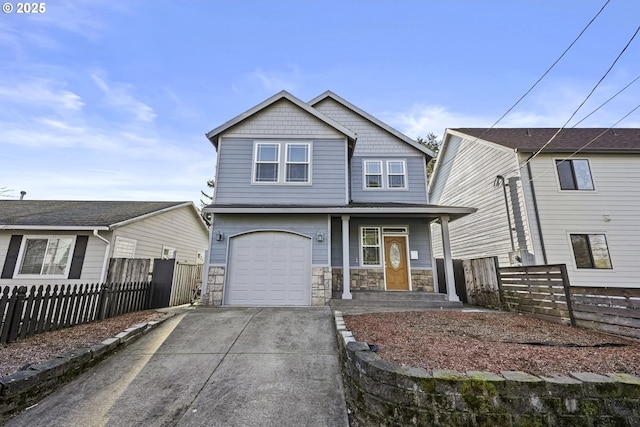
point(106, 255)
point(53, 227)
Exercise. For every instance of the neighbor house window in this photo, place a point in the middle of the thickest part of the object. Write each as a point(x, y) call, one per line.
point(45, 256)
point(590, 251)
point(574, 174)
point(373, 174)
point(370, 245)
point(267, 162)
point(396, 174)
point(168, 252)
point(297, 162)
point(124, 248)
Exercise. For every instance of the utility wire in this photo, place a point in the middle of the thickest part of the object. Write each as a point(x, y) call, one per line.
point(545, 73)
point(539, 79)
point(583, 102)
point(606, 102)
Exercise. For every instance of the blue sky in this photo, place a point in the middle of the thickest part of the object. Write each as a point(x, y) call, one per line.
point(111, 100)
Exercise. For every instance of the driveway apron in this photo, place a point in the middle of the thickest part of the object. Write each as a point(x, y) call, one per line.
point(211, 367)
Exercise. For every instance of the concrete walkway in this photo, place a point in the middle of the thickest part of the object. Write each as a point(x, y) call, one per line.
point(211, 367)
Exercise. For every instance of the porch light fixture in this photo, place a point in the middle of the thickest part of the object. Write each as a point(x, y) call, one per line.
point(320, 237)
point(219, 236)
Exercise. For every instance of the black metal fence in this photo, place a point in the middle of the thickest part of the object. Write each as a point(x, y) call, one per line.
point(37, 309)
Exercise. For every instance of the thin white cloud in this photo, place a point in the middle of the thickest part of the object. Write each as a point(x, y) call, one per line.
point(118, 96)
point(275, 81)
point(40, 93)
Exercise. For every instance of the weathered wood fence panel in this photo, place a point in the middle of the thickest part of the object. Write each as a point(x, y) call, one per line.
point(612, 310)
point(186, 278)
point(538, 290)
point(125, 270)
point(37, 309)
point(481, 281)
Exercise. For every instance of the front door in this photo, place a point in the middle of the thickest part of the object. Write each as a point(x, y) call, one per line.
point(395, 263)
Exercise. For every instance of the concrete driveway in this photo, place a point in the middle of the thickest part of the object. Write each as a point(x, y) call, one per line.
point(211, 367)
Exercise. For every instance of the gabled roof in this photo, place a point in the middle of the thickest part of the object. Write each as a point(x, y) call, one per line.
point(386, 127)
point(587, 140)
point(213, 134)
point(75, 215)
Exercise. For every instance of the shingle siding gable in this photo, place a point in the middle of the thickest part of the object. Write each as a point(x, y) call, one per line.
point(372, 140)
point(283, 119)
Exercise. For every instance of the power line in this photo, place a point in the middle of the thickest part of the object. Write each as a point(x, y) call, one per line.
point(606, 102)
point(583, 102)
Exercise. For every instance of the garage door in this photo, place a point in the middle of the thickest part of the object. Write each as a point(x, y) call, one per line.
point(271, 268)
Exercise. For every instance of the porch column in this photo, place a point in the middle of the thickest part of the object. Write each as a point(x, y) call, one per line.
point(448, 262)
point(346, 287)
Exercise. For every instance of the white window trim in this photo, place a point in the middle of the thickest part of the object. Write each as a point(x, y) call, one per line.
point(577, 190)
point(573, 255)
point(124, 240)
point(404, 174)
point(361, 246)
point(384, 172)
point(23, 244)
point(170, 249)
point(287, 162)
point(281, 178)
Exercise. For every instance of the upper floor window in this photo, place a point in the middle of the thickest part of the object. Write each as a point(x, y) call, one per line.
point(396, 174)
point(590, 251)
point(385, 174)
point(292, 158)
point(45, 256)
point(574, 174)
point(267, 162)
point(297, 162)
point(373, 174)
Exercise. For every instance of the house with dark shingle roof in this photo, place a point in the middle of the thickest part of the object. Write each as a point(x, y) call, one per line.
point(71, 242)
point(545, 197)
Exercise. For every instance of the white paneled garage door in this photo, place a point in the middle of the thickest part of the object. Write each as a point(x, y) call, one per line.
point(271, 268)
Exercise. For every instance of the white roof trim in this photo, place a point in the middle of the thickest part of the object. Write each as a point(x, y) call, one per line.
point(213, 134)
point(54, 227)
point(397, 134)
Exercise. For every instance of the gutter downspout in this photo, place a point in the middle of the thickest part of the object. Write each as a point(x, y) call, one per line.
point(106, 255)
point(535, 209)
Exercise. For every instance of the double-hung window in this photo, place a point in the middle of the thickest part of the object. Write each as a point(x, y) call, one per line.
point(395, 174)
point(267, 162)
point(297, 162)
point(282, 163)
point(591, 251)
point(370, 246)
point(373, 173)
point(574, 174)
point(45, 256)
point(385, 174)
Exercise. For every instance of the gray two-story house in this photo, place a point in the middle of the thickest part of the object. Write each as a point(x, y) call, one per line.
point(318, 200)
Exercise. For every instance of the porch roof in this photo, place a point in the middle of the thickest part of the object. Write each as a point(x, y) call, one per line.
point(431, 212)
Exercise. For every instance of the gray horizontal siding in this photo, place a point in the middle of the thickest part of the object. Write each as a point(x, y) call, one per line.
point(328, 166)
point(418, 239)
point(308, 225)
point(416, 191)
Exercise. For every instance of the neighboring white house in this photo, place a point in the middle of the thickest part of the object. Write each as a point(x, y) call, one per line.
point(71, 242)
point(572, 201)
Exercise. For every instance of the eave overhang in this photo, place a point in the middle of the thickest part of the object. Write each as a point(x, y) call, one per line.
point(430, 212)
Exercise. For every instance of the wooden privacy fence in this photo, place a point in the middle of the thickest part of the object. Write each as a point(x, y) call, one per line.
point(186, 278)
point(123, 270)
point(29, 311)
point(544, 291)
point(541, 290)
point(613, 310)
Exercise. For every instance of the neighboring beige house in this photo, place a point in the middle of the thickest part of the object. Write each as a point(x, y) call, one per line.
point(71, 242)
point(572, 201)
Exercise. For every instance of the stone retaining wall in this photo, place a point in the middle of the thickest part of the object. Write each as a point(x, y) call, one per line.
point(25, 388)
point(381, 393)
